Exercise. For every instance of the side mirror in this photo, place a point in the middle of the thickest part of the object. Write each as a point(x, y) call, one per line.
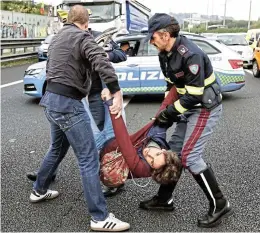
point(250, 42)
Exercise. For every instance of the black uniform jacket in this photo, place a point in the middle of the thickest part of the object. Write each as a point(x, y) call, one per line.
point(188, 68)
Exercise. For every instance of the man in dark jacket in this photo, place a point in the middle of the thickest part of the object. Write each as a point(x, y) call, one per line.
point(73, 56)
point(96, 106)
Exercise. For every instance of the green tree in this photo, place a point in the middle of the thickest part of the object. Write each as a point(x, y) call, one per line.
point(23, 7)
point(255, 25)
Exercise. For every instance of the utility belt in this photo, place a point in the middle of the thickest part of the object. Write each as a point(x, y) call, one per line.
point(212, 96)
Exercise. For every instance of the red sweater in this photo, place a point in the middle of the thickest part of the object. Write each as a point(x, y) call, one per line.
point(126, 142)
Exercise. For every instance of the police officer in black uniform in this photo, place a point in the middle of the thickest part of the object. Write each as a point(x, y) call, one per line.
point(189, 69)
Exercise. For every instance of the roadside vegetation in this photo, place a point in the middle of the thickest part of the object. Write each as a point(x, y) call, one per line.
point(24, 7)
point(233, 26)
point(18, 62)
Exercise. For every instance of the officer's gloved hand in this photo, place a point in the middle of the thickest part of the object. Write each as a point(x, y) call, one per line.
point(166, 117)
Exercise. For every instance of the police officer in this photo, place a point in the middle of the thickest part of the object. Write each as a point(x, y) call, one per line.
point(189, 69)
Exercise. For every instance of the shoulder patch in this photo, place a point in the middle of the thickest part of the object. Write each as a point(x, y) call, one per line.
point(194, 68)
point(182, 50)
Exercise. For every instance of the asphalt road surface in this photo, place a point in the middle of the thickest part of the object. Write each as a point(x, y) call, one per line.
point(233, 152)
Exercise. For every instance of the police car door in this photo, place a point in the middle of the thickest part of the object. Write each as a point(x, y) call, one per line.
point(151, 76)
point(128, 71)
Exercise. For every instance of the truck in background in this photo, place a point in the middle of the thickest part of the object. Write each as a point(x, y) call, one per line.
point(105, 14)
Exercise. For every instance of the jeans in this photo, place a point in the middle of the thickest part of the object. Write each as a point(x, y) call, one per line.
point(101, 136)
point(97, 110)
point(73, 128)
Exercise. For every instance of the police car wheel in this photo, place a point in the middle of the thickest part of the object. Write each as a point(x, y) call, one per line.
point(256, 69)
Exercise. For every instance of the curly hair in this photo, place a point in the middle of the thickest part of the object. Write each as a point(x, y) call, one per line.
point(171, 172)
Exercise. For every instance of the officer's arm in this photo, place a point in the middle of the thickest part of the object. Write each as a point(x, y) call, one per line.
point(194, 76)
point(115, 53)
point(99, 62)
point(117, 56)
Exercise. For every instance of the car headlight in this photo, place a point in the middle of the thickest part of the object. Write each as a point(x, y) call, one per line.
point(33, 71)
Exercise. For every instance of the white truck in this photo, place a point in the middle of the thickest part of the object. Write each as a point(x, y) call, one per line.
point(105, 14)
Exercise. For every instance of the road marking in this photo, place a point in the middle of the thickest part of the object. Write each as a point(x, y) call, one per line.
point(10, 84)
point(125, 103)
point(249, 71)
point(127, 100)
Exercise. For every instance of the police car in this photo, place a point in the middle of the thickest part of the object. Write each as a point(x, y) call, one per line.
point(141, 73)
point(43, 49)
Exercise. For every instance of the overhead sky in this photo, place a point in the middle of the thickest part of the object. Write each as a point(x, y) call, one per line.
point(238, 9)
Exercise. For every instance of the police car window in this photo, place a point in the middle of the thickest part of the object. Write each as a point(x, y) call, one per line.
point(149, 50)
point(207, 48)
point(130, 47)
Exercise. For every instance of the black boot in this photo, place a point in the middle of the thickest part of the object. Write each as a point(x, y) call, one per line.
point(33, 176)
point(162, 201)
point(219, 207)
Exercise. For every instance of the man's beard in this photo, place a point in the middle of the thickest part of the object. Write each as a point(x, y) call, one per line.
point(159, 49)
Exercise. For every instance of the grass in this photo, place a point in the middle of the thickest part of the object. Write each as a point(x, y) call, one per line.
point(18, 62)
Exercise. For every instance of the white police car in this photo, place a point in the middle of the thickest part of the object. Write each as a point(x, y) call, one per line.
point(141, 73)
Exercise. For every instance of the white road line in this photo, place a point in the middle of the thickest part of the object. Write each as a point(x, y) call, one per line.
point(249, 71)
point(126, 101)
point(10, 84)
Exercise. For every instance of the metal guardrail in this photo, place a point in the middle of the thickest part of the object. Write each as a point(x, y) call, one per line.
point(14, 44)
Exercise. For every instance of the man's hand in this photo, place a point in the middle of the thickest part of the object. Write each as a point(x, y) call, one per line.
point(106, 95)
point(117, 106)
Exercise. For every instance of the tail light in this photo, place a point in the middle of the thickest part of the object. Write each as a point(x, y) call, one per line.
point(236, 64)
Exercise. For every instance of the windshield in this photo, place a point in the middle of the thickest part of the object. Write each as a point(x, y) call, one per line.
point(101, 11)
point(233, 39)
point(48, 39)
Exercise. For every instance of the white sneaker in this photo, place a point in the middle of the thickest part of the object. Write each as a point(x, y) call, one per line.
point(50, 194)
point(111, 223)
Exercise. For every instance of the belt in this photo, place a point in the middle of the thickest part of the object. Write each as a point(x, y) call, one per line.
point(64, 90)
